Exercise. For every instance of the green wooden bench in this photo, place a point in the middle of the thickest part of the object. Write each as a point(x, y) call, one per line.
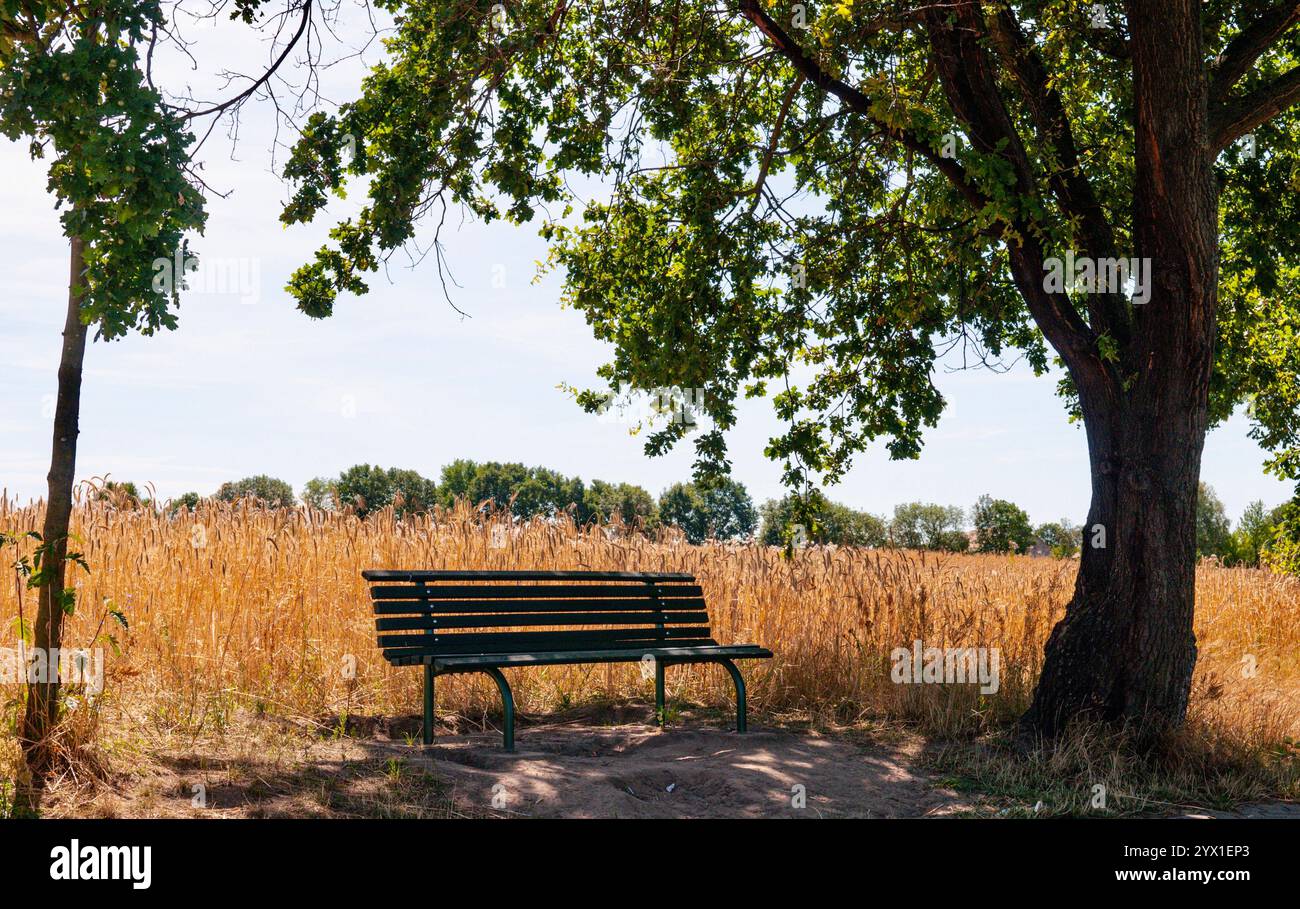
point(469, 621)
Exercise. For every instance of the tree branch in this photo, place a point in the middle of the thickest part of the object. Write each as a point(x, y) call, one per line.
point(970, 80)
point(1236, 117)
point(262, 80)
point(773, 141)
point(857, 101)
point(1242, 52)
point(990, 123)
point(1069, 183)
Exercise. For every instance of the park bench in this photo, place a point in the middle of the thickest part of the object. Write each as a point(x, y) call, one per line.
point(469, 621)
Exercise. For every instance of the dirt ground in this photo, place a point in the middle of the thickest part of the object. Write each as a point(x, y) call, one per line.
point(594, 762)
point(604, 761)
point(577, 768)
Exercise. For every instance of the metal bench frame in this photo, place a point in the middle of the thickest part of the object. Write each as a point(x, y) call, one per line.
point(656, 646)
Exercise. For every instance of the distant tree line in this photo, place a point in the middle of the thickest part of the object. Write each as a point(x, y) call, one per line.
point(725, 511)
point(722, 511)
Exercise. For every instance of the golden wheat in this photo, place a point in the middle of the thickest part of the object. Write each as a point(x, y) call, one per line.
point(239, 606)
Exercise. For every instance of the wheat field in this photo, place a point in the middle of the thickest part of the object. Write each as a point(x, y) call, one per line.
point(234, 602)
point(239, 607)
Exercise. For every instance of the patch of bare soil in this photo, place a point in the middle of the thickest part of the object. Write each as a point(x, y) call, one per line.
point(595, 764)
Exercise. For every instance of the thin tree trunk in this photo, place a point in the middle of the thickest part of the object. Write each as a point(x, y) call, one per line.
point(43, 697)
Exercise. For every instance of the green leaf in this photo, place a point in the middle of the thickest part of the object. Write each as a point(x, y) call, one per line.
point(22, 629)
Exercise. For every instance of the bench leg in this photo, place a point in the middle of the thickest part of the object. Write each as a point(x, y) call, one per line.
point(507, 703)
point(660, 666)
point(740, 694)
point(428, 703)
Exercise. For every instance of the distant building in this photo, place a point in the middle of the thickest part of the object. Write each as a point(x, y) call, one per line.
point(1039, 550)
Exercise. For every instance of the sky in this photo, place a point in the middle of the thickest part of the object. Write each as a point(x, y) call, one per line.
point(248, 385)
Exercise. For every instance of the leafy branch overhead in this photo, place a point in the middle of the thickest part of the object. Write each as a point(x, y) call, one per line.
point(839, 192)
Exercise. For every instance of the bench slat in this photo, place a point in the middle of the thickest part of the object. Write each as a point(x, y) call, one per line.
point(527, 641)
point(407, 655)
point(389, 574)
point(419, 623)
point(538, 592)
point(426, 607)
point(677, 652)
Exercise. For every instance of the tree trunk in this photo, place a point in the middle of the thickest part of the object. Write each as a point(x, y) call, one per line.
point(1125, 651)
point(43, 697)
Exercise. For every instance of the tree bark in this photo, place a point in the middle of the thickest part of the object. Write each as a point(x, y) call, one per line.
point(43, 697)
point(1125, 651)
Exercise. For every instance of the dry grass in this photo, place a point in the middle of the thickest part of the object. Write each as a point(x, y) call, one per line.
point(238, 610)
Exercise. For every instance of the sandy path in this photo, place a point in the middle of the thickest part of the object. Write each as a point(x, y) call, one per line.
point(581, 768)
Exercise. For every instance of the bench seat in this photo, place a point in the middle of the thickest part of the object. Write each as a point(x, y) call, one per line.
point(485, 621)
point(700, 654)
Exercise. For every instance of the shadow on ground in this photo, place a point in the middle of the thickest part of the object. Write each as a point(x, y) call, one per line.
point(595, 761)
point(611, 762)
point(601, 761)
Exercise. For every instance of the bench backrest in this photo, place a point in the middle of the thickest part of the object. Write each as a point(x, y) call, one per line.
point(445, 613)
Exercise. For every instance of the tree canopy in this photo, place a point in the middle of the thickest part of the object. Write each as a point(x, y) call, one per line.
point(1001, 526)
point(267, 490)
point(75, 88)
point(631, 504)
point(721, 510)
point(1213, 528)
point(834, 522)
point(789, 187)
point(922, 525)
point(365, 488)
point(525, 491)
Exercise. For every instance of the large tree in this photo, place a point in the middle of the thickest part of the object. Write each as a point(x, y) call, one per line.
point(850, 191)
